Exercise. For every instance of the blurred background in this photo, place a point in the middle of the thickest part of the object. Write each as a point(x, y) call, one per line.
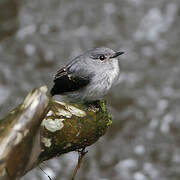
point(39, 36)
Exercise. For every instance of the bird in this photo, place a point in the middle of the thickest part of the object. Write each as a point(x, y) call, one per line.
point(88, 77)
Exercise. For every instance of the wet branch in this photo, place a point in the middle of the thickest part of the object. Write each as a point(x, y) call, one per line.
point(42, 128)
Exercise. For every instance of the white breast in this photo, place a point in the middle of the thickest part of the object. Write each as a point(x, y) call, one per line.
point(113, 74)
point(99, 86)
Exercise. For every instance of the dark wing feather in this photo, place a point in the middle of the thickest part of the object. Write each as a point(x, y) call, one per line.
point(66, 81)
point(60, 73)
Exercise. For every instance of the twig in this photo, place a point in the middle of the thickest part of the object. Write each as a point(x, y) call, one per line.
point(45, 173)
point(82, 153)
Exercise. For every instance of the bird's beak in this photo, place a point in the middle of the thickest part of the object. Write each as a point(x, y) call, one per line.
point(116, 54)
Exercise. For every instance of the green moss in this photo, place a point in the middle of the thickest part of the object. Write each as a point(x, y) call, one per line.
point(77, 132)
point(104, 108)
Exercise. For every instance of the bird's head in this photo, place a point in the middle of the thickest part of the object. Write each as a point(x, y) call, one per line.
point(103, 54)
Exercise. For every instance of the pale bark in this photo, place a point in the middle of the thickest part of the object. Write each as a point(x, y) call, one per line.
point(42, 128)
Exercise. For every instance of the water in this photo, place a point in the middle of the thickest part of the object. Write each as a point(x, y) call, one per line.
point(39, 36)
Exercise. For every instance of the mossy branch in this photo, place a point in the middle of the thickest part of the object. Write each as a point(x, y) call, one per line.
point(42, 128)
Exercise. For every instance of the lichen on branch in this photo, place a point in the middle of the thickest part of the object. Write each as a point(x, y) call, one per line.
point(70, 127)
point(42, 128)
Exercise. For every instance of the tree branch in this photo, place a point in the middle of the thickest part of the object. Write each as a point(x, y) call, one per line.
point(42, 128)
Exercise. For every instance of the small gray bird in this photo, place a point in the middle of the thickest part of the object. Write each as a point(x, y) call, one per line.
point(88, 77)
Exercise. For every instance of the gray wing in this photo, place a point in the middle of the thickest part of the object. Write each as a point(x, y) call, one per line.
point(68, 79)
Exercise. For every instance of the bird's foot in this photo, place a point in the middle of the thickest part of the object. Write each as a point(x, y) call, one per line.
point(93, 106)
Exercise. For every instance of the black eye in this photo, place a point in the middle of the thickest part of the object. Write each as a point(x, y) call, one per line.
point(102, 57)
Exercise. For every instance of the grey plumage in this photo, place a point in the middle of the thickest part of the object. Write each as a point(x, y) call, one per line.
point(88, 77)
